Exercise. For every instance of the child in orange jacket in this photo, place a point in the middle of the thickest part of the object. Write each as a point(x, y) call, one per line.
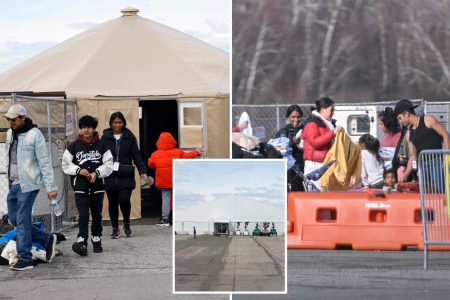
point(162, 161)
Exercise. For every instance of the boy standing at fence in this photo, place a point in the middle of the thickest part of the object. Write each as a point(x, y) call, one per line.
point(162, 161)
point(29, 169)
point(88, 160)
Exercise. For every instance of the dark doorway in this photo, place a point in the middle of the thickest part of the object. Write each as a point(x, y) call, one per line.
point(157, 116)
point(221, 228)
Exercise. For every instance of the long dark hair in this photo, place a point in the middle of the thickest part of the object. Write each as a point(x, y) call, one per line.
point(389, 120)
point(372, 144)
point(119, 115)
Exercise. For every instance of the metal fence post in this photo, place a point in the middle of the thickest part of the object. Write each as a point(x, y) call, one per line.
point(49, 128)
point(278, 117)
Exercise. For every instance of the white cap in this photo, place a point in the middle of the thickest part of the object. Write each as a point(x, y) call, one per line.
point(16, 110)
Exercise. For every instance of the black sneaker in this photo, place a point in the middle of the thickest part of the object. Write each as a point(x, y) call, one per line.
point(163, 222)
point(115, 234)
point(22, 265)
point(97, 244)
point(50, 247)
point(127, 231)
point(79, 247)
point(59, 237)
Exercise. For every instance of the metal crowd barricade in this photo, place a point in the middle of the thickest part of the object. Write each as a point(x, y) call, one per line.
point(434, 179)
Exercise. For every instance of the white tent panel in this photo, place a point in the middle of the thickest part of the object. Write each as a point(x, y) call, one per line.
point(232, 209)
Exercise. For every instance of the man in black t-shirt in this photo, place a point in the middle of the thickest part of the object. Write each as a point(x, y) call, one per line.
point(425, 133)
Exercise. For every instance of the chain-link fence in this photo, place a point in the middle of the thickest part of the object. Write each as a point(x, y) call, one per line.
point(266, 120)
point(56, 119)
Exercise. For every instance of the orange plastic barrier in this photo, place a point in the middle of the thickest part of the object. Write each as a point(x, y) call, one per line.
point(360, 221)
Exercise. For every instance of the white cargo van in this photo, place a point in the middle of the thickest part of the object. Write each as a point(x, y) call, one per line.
point(359, 119)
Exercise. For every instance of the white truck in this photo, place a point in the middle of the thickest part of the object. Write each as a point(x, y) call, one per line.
point(359, 119)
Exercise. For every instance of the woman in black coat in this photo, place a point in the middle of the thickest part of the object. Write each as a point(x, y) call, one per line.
point(294, 115)
point(123, 145)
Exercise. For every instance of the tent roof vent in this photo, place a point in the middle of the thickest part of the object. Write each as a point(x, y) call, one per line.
point(129, 11)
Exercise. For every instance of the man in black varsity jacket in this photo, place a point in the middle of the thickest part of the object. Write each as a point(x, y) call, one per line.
point(88, 161)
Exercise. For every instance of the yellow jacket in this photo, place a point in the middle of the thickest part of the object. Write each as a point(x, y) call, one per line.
point(348, 163)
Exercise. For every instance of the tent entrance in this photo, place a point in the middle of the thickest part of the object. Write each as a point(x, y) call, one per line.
point(221, 228)
point(155, 116)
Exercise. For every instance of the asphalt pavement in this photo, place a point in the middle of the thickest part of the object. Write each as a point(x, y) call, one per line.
point(348, 274)
point(139, 267)
point(239, 263)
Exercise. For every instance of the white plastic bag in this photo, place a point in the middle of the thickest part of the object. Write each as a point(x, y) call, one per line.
point(10, 253)
point(282, 145)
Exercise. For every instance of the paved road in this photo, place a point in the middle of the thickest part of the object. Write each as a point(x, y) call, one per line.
point(136, 268)
point(346, 274)
point(229, 264)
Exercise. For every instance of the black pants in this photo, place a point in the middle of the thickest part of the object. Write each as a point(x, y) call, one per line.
point(122, 198)
point(93, 202)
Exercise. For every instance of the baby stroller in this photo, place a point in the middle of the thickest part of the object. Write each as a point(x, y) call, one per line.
point(308, 179)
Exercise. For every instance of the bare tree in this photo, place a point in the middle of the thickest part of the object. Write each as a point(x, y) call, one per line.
point(383, 46)
point(255, 60)
point(353, 50)
point(327, 45)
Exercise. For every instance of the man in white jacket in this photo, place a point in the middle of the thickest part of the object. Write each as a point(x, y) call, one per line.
point(26, 144)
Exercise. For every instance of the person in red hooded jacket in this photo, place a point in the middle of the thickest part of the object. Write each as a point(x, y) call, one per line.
point(162, 161)
point(318, 135)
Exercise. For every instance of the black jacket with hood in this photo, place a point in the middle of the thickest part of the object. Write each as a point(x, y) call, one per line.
point(128, 153)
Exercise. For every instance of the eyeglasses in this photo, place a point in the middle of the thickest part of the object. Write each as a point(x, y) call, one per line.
point(13, 119)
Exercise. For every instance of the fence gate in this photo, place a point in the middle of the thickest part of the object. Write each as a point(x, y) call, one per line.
point(56, 119)
point(434, 179)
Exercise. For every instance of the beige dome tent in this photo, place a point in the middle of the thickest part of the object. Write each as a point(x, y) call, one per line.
point(160, 78)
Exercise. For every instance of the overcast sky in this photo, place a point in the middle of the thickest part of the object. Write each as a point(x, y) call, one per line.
point(28, 27)
point(202, 180)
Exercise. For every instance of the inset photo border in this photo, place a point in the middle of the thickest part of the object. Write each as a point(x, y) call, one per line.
point(229, 225)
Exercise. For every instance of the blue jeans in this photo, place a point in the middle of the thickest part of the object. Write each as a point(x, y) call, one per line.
point(19, 215)
point(165, 195)
point(433, 175)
